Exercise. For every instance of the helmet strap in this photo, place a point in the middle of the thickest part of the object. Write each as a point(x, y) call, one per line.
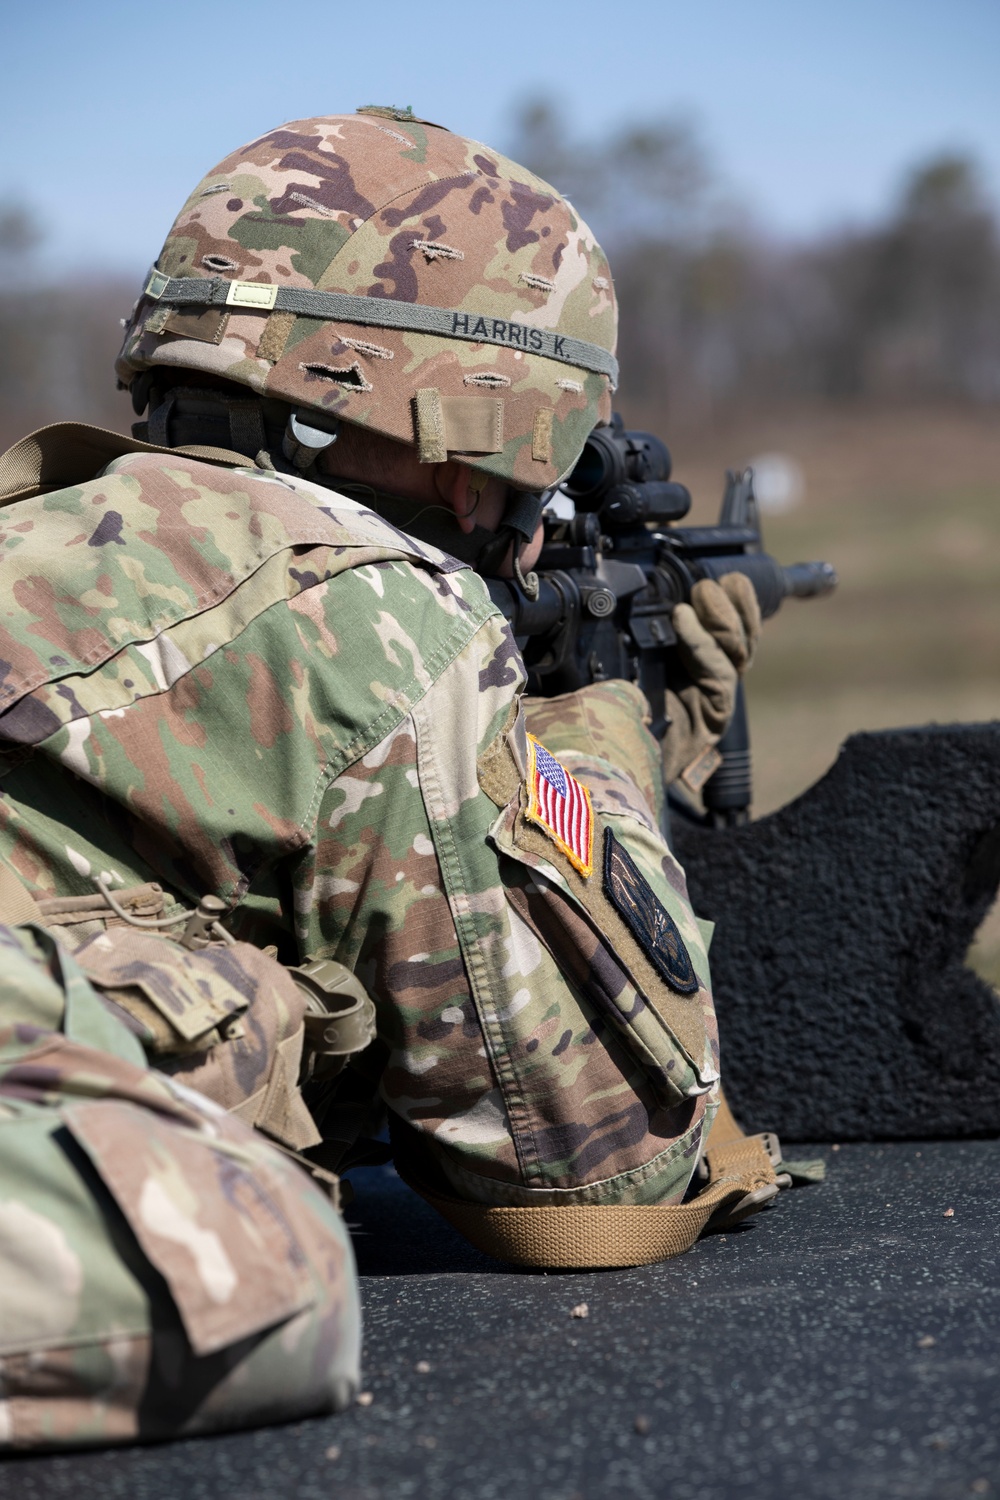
point(306, 437)
point(182, 416)
point(481, 548)
point(185, 415)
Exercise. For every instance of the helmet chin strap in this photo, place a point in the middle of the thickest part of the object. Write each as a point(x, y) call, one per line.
point(520, 522)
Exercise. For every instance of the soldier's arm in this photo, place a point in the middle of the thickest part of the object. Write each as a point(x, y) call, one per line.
point(531, 1050)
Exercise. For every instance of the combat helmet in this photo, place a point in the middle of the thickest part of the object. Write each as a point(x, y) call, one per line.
point(382, 270)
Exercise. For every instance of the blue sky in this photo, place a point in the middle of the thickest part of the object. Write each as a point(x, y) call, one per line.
point(812, 111)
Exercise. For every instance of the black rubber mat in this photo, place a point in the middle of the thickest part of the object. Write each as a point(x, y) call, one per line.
point(844, 1345)
point(845, 1007)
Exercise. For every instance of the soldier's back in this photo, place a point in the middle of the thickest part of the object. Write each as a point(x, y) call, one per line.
point(200, 647)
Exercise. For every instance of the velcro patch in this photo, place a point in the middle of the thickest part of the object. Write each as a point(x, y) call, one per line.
point(652, 926)
point(701, 768)
point(206, 327)
point(560, 805)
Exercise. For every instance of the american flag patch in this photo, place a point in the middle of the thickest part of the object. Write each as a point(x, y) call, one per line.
point(560, 804)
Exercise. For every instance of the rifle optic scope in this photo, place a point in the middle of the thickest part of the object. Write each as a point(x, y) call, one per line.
point(626, 476)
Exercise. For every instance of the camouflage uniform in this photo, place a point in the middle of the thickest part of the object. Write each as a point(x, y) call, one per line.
point(262, 690)
point(165, 1271)
point(220, 678)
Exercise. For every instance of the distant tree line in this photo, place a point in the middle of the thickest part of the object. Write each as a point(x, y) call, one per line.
point(58, 340)
point(714, 314)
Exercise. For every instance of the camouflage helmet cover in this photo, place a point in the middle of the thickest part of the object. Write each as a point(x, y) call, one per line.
point(472, 309)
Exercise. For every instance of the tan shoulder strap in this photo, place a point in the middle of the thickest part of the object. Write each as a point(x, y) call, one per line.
point(741, 1180)
point(17, 904)
point(725, 1128)
point(72, 452)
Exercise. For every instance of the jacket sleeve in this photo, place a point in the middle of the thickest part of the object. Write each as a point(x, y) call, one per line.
point(534, 1049)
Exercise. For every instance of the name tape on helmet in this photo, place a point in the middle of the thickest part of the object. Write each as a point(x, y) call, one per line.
point(380, 312)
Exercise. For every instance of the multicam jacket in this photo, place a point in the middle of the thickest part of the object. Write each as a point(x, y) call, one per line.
point(233, 681)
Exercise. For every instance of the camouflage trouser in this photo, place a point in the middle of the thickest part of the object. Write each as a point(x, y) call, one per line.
point(163, 1270)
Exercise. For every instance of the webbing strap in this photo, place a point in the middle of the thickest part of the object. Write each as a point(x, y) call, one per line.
point(725, 1129)
point(66, 453)
point(17, 904)
point(741, 1181)
point(381, 312)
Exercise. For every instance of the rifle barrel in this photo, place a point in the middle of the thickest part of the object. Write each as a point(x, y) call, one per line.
point(772, 582)
point(810, 579)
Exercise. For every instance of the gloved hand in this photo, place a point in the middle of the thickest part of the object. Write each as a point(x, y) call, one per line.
point(717, 635)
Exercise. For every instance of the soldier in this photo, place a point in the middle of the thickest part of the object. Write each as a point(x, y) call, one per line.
point(248, 657)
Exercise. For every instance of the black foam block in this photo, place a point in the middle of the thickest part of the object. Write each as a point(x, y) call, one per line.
point(846, 1010)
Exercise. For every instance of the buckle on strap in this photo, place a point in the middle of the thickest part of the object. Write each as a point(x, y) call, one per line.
point(771, 1145)
point(752, 1158)
point(340, 1016)
point(751, 1203)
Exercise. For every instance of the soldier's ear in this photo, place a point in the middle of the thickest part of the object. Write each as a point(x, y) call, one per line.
point(454, 484)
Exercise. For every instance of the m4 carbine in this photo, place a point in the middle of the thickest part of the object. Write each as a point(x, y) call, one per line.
point(614, 565)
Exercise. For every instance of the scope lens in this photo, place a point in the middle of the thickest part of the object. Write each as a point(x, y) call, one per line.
point(587, 475)
point(598, 467)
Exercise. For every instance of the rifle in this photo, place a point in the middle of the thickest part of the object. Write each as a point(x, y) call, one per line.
point(613, 566)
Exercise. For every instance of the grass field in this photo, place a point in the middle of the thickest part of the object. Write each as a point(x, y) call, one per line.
point(906, 505)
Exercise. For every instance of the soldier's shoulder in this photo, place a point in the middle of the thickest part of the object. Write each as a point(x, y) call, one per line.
point(199, 516)
point(164, 559)
point(124, 490)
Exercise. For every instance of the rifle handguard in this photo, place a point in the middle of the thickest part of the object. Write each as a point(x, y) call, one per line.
point(340, 1016)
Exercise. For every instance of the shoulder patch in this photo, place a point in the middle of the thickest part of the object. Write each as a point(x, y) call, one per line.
point(652, 926)
point(560, 805)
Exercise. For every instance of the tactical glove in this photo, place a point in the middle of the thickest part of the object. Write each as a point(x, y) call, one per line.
point(717, 635)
